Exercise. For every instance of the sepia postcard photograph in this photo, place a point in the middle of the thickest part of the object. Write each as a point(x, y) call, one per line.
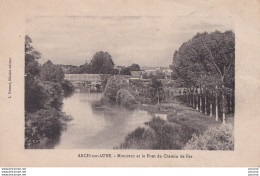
point(102, 84)
point(129, 82)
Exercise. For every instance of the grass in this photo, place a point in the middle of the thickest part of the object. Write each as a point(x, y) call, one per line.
point(189, 116)
point(182, 122)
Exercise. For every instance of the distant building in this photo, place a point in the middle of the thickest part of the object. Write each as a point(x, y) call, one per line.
point(136, 74)
point(153, 68)
point(157, 70)
point(154, 71)
point(168, 73)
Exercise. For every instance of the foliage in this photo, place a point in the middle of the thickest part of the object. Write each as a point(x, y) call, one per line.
point(67, 87)
point(145, 75)
point(104, 78)
point(206, 60)
point(158, 74)
point(141, 138)
point(43, 95)
point(170, 135)
point(31, 64)
point(51, 72)
point(125, 71)
point(114, 84)
point(102, 63)
point(159, 135)
point(157, 92)
point(53, 95)
point(33, 95)
point(217, 138)
point(43, 125)
point(140, 83)
point(134, 67)
point(126, 99)
point(45, 88)
point(84, 69)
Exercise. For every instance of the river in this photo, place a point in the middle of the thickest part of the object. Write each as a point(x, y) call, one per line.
point(97, 128)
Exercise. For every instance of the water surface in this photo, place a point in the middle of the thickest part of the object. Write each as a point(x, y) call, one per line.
point(97, 128)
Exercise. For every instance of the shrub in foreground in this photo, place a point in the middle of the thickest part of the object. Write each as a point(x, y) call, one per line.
point(159, 135)
point(170, 135)
point(43, 126)
point(141, 138)
point(216, 138)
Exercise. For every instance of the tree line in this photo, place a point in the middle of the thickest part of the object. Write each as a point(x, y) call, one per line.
point(101, 63)
point(205, 66)
point(45, 89)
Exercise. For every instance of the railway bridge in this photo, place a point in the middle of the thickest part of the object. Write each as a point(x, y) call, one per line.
point(80, 80)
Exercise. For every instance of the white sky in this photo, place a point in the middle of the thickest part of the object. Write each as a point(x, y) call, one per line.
point(147, 41)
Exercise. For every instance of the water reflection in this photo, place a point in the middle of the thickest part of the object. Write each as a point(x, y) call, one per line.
point(96, 128)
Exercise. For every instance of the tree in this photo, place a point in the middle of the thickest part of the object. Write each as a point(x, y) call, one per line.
point(53, 94)
point(126, 99)
point(220, 48)
point(134, 67)
point(84, 69)
point(102, 63)
point(157, 90)
point(207, 62)
point(51, 72)
point(31, 60)
point(113, 85)
point(43, 98)
point(125, 71)
point(34, 98)
point(73, 70)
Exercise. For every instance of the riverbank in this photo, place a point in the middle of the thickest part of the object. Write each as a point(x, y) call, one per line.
point(179, 113)
point(173, 133)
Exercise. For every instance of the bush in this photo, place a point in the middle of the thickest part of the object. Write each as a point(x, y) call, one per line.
point(170, 135)
point(141, 138)
point(126, 99)
point(67, 87)
point(159, 135)
point(35, 96)
point(114, 84)
point(53, 95)
point(43, 126)
point(172, 114)
point(216, 138)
